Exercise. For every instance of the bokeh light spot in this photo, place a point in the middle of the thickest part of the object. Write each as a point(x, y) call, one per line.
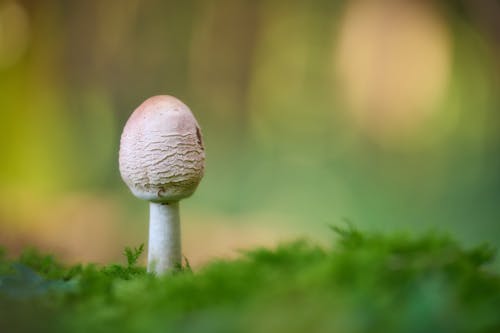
point(14, 33)
point(393, 61)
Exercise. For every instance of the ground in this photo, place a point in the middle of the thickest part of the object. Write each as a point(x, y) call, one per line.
point(362, 283)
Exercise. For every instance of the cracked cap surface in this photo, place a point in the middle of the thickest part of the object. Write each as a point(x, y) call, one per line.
point(162, 158)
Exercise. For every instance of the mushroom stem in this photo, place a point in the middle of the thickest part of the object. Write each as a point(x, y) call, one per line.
point(164, 253)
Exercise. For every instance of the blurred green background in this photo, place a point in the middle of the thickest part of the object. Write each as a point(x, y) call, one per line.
point(385, 113)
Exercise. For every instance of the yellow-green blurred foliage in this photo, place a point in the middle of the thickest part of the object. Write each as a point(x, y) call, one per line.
point(382, 112)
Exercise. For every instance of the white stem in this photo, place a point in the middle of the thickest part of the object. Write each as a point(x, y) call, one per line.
point(164, 253)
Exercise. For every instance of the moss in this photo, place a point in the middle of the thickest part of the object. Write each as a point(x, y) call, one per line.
point(364, 283)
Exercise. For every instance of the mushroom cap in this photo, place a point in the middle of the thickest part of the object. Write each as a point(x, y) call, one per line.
point(162, 158)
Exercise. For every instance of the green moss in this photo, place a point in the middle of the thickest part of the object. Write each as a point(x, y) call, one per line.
point(364, 283)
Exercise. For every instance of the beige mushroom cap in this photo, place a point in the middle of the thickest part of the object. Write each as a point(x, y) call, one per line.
point(162, 158)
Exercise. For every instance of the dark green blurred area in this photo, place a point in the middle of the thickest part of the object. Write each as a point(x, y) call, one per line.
point(385, 113)
point(366, 283)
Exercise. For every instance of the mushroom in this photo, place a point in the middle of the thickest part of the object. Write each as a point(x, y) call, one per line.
point(162, 160)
